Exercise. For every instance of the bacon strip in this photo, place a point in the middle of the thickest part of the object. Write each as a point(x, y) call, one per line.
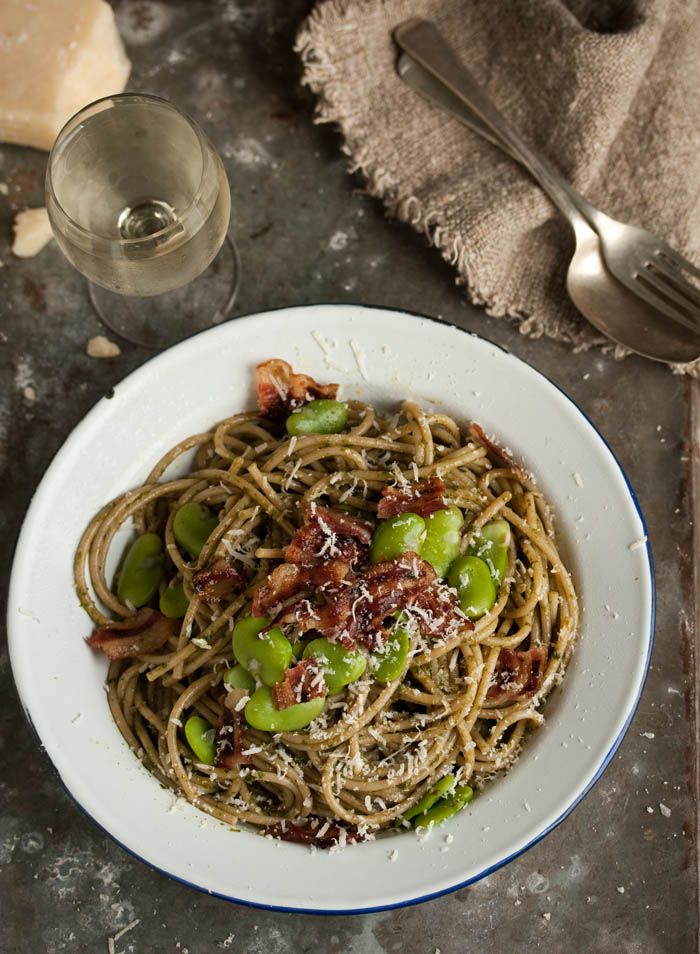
point(281, 391)
point(145, 632)
point(229, 738)
point(499, 454)
point(289, 579)
point(328, 534)
point(301, 683)
point(362, 613)
point(344, 524)
point(218, 581)
point(422, 497)
point(321, 554)
point(518, 675)
point(333, 834)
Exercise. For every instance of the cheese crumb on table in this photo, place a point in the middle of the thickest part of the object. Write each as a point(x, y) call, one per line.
point(101, 347)
point(637, 544)
point(55, 61)
point(32, 231)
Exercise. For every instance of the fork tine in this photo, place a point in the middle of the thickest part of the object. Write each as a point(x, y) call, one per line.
point(673, 257)
point(660, 299)
point(675, 281)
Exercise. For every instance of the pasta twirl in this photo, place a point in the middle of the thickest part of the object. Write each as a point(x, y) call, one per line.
point(465, 697)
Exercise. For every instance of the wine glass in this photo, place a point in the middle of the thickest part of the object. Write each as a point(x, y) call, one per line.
point(139, 202)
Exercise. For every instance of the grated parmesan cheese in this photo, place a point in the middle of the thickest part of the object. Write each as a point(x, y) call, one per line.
point(101, 347)
point(358, 354)
point(323, 344)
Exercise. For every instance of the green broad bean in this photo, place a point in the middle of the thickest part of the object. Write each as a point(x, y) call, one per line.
point(388, 663)
point(491, 545)
point(239, 678)
point(471, 577)
point(142, 571)
point(340, 666)
point(193, 524)
point(173, 600)
point(260, 712)
point(400, 534)
point(442, 538)
point(443, 787)
point(200, 738)
point(318, 417)
point(445, 808)
point(264, 652)
point(298, 647)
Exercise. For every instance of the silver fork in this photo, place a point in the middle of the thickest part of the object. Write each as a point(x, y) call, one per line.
point(641, 261)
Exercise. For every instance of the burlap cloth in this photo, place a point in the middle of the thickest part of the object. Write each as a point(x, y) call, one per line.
point(609, 91)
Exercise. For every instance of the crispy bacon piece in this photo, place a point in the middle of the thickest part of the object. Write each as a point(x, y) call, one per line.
point(518, 675)
point(344, 524)
point(321, 554)
point(498, 453)
point(281, 391)
point(311, 834)
point(422, 497)
point(328, 534)
point(229, 738)
point(218, 581)
point(301, 683)
point(145, 632)
point(289, 579)
point(361, 613)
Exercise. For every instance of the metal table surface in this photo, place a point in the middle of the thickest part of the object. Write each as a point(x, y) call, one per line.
point(619, 874)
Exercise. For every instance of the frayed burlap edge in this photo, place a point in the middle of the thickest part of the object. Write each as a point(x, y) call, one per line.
point(335, 106)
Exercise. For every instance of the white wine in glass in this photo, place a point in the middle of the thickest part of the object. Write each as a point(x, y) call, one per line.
point(139, 202)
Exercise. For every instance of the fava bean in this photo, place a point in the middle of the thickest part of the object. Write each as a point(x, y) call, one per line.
point(388, 662)
point(299, 644)
point(491, 545)
point(443, 787)
point(260, 712)
point(142, 571)
point(264, 652)
point(200, 738)
point(444, 808)
point(442, 538)
point(400, 534)
point(239, 678)
point(173, 600)
point(318, 417)
point(471, 578)
point(340, 666)
point(193, 524)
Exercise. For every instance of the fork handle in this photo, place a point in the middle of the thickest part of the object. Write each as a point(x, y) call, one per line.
point(423, 42)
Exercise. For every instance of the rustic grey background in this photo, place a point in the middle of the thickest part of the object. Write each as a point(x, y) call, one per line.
point(617, 876)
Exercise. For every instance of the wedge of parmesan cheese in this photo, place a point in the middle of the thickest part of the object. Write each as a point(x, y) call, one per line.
point(54, 59)
point(32, 231)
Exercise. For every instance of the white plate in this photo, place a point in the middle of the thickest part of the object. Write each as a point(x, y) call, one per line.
point(382, 356)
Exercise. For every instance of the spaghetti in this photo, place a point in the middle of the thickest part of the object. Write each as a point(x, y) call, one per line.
point(469, 690)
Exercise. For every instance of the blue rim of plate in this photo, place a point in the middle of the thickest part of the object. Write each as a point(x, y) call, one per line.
point(606, 759)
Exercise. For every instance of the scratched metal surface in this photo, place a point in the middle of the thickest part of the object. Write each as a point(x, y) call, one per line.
point(618, 875)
